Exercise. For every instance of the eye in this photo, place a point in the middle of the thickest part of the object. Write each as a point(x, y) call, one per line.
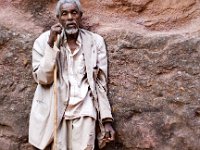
point(63, 13)
point(74, 12)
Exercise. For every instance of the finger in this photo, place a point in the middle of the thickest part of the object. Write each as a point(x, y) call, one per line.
point(57, 30)
point(106, 140)
point(60, 25)
point(57, 25)
point(112, 137)
point(107, 134)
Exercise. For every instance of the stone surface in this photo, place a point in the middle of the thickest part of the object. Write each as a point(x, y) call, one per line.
point(154, 69)
point(154, 90)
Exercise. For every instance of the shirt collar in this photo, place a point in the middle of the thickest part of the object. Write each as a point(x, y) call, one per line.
point(78, 41)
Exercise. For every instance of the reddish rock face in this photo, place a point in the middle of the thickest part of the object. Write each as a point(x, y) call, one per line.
point(154, 72)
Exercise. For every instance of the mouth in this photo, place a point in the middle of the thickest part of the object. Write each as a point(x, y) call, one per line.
point(71, 25)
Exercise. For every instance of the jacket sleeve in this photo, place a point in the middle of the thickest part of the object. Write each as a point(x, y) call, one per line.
point(43, 60)
point(101, 82)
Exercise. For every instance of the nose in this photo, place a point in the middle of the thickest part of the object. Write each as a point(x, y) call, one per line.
point(69, 16)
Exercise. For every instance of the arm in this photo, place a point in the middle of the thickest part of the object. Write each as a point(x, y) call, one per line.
point(43, 61)
point(101, 82)
point(44, 56)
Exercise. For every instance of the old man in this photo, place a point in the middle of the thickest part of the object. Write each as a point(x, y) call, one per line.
point(80, 58)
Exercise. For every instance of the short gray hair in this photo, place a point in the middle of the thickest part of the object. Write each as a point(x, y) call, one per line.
point(61, 2)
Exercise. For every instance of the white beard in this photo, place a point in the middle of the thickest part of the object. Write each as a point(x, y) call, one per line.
point(71, 31)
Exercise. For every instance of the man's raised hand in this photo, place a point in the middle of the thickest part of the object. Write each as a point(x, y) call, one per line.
point(55, 30)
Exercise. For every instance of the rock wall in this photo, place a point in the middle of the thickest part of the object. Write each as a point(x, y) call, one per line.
point(154, 69)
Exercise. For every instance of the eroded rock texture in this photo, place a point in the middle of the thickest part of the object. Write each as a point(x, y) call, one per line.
point(154, 69)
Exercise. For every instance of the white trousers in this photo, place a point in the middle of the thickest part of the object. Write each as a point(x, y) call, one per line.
point(76, 134)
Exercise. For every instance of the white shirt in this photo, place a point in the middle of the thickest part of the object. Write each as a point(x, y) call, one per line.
point(80, 101)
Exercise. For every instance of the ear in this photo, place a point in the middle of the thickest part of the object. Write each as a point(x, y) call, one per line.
point(57, 16)
point(81, 14)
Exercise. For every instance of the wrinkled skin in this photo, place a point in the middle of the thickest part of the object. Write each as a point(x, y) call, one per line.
point(69, 20)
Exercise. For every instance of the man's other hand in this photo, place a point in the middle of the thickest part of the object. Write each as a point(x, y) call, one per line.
point(110, 133)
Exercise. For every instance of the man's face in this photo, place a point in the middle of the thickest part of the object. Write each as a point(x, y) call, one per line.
point(70, 17)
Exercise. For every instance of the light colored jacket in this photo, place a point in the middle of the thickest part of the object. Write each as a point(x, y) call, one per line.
point(44, 59)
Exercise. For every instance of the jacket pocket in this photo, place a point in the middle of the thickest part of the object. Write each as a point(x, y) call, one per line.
point(42, 102)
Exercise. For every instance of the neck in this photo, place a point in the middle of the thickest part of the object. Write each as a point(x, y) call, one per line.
point(72, 37)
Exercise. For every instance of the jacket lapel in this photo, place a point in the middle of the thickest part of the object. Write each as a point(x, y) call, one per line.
point(90, 59)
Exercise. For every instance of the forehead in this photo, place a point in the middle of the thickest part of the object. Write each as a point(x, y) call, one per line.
point(68, 7)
